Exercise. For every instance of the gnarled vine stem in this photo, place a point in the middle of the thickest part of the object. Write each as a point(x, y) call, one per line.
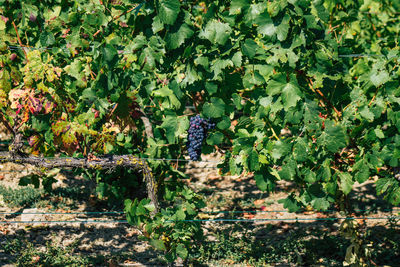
point(99, 163)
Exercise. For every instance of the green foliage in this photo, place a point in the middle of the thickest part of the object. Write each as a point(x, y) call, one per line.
point(57, 198)
point(26, 254)
point(19, 197)
point(46, 179)
point(296, 247)
point(287, 105)
point(165, 230)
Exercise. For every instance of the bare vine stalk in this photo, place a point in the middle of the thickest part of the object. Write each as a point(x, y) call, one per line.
point(99, 163)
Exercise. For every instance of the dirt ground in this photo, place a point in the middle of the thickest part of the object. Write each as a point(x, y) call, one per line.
point(223, 193)
point(89, 238)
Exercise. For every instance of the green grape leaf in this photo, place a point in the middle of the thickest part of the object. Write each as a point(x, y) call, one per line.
point(367, 114)
point(346, 182)
point(291, 93)
point(180, 214)
point(334, 137)
point(168, 10)
point(215, 109)
point(110, 54)
point(383, 184)
point(280, 149)
point(238, 6)
point(47, 38)
point(211, 88)
point(254, 14)
point(182, 251)
point(290, 90)
point(253, 161)
point(216, 32)
point(290, 203)
point(158, 244)
point(300, 152)
point(249, 48)
point(224, 124)
point(310, 176)
point(215, 138)
point(5, 81)
point(261, 182)
point(218, 65)
point(176, 39)
point(320, 203)
point(283, 29)
point(379, 78)
point(237, 59)
point(174, 127)
point(157, 25)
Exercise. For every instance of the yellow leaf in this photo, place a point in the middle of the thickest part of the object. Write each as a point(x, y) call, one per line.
point(15, 95)
point(2, 25)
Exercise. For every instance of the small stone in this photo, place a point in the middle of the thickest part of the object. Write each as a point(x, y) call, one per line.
point(29, 215)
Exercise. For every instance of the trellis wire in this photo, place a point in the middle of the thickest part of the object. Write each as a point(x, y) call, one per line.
point(281, 211)
point(217, 220)
point(17, 47)
point(204, 212)
point(192, 167)
point(182, 160)
point(66, 213)
point(289, 219)
point(48, 222)
point(13, 171)
point(161, 159)
point(361, 55)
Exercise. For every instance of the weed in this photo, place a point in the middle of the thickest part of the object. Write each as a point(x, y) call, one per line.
point(295, 248)
point(25, 254)
point(28, 196)
point(20, 197)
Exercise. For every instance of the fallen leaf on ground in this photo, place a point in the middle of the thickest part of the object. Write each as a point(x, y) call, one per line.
point(248, 215)
point(321, 215)
point(258, 202)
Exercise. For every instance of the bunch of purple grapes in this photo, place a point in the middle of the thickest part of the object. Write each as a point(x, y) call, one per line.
point(196, 134)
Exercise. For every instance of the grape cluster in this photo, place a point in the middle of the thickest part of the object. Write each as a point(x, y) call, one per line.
point(196, 134)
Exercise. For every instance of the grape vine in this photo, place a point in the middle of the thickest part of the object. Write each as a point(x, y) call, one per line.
point(91, 78)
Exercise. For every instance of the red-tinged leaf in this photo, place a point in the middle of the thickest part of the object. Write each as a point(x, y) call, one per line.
point(19, 109)
point(34, 104)
point(25, 117)
point(65, 32)
point(123, 24)
point(322, 116)
point(5, 19)
point(33, 140)
point(69, 138)
point(48, 106)
point(59, 127)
